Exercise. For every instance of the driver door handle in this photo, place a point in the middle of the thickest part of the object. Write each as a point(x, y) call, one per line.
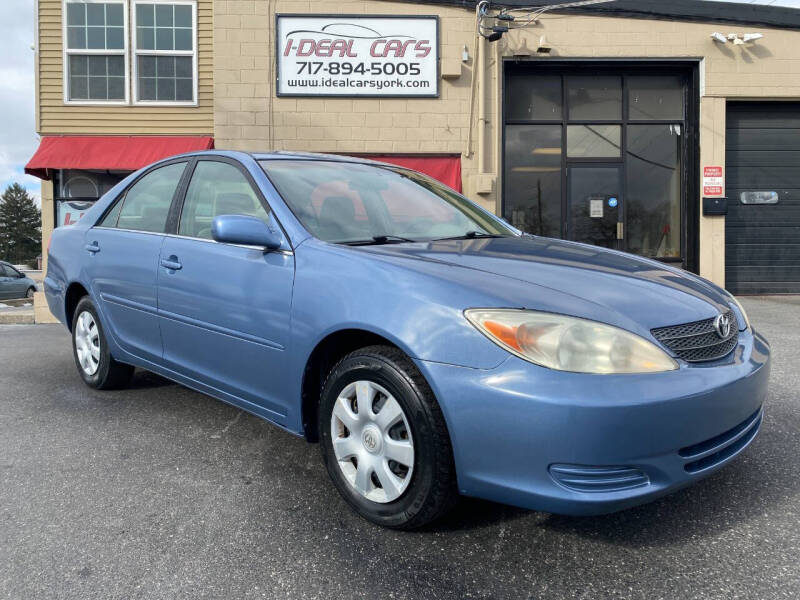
point(172, 263)
point(93, 247)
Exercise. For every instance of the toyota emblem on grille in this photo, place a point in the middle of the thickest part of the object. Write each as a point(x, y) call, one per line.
point(722, 325)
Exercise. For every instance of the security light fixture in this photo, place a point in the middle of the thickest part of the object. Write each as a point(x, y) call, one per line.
point(544, 47)
point(744, 38)
point(752, 37)
point(718, 37)
point(465, 54)
point(496, 34)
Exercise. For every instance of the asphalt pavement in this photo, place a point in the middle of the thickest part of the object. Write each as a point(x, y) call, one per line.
point(160, 492)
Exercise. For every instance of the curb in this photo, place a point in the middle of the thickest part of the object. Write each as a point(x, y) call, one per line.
point(22, 317)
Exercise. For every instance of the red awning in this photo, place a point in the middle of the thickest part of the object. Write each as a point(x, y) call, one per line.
point(109, 153)
point(446, 169)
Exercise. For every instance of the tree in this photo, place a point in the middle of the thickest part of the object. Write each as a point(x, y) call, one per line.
point(20, 226)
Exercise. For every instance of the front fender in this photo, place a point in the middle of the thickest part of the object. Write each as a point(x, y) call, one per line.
point(422, 313)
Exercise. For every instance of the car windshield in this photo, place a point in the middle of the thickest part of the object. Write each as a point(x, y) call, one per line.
point(354, 203)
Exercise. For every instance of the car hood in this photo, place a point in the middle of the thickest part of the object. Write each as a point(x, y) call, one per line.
point(577, 279)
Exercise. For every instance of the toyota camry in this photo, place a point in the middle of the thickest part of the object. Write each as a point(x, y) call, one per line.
point(429, 347)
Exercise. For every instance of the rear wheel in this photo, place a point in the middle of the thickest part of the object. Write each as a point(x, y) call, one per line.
point(31, 291)
point(384, 440)
point(92, 357)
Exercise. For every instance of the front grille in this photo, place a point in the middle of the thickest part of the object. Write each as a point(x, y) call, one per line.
point(698, 341)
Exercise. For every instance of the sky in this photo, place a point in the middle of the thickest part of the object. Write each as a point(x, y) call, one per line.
point(18, 139)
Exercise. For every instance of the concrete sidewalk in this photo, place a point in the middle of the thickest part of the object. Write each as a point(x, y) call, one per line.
point(16, 312)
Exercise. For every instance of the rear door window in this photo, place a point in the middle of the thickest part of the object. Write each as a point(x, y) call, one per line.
point(146, 204)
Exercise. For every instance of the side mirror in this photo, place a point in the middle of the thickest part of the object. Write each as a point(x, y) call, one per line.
point(245, 230)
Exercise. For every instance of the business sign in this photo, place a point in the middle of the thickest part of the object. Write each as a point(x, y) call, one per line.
point(341, 55)
point(713, 181)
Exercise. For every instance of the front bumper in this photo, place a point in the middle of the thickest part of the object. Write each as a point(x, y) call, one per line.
point(536, 438)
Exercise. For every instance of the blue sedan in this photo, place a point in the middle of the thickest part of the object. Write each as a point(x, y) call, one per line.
point(430, 348)
point(14, 284)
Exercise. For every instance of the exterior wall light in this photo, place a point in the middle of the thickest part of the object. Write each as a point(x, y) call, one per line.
point(745, 38)
point(718, 37)
point(465, 54)
point(544, 47)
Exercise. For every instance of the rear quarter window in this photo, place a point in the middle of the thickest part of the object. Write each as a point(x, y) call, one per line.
point(146, 203)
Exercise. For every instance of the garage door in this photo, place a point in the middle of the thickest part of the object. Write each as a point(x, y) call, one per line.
point(762, 229)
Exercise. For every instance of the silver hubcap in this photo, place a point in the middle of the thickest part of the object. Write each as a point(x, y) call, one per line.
point(372, 441)
point(87, 343)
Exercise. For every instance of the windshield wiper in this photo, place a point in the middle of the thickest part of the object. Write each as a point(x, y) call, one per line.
point(471, 235)
point(378, 240)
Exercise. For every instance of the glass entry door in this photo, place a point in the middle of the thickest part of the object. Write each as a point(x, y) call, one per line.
point(600, 154)
point(595, 205)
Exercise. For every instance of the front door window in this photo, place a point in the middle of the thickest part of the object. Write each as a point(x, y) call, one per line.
point(597, 156)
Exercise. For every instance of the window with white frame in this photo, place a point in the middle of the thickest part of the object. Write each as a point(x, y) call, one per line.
point(95, 51)
point(165, 57)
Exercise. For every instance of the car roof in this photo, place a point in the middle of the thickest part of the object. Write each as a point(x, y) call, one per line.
point(282, 155)
point(310, 156)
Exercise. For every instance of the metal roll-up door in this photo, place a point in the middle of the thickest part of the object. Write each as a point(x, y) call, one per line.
point(762, 229)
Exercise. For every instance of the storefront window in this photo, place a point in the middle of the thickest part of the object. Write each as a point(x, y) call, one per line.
point(596, 155)
point(598, 141)
point(655, 97)
point(540, 102)
point(533, 172)
point(95, 51)
point(654, 190)
point(594, 97)
point(76, 191)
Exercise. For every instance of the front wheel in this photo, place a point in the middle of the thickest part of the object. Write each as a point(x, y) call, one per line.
point(31, 291)
point(92, 357)
point(384, 440)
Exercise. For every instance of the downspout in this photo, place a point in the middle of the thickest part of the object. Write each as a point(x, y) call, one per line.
point(482, 105)
point(474, 83)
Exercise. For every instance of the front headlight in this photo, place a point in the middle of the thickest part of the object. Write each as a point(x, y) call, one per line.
point(739, 306)
point(568, 343)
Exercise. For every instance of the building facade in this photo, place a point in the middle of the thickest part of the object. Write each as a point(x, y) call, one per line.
point(671, 132)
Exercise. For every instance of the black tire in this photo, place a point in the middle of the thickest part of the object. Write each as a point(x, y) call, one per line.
point(31, 291)
point(432, 490)
point(110, 374)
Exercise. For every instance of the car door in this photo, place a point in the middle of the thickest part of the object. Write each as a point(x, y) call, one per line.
point(18, 285)
point(225, 308)
point(6, 285)
point(121, 260)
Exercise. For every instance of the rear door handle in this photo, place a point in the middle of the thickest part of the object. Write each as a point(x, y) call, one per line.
point(172, 263)
point(93, 247)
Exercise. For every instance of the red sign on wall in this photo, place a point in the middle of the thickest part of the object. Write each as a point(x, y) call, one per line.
point(713, 181)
